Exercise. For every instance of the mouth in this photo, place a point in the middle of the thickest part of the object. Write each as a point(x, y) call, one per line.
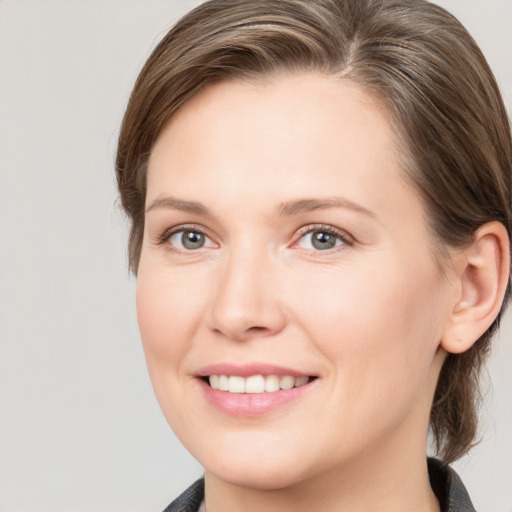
point(253, 390)
point(255, 384)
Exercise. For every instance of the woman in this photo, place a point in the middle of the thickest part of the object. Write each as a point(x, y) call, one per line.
point(320, 202)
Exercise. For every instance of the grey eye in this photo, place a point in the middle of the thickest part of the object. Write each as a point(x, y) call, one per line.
point(188, 240)
point(322, 241)
point(192, 240)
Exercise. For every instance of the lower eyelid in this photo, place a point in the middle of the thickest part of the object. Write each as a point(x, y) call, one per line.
point(343, 237)
point(179, 234)
point(339, 243)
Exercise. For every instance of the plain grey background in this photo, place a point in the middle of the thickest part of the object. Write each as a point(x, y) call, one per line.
point(80, 429)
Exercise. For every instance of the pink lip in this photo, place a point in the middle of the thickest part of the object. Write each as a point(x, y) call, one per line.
point(247, 370)
point(250, 404)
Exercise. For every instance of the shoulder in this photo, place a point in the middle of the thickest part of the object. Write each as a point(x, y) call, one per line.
point(189, 500)
point(448, 487)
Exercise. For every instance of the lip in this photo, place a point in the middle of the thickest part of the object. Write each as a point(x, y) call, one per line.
point(251, 405)
point(246, 370)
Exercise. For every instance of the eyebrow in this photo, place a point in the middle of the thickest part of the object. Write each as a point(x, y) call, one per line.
point(288, 208)
point(177, 204)
point(307, 205)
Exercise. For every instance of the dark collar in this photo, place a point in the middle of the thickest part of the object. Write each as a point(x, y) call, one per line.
point(448, 488)
point(446, 484)
point(190, 500)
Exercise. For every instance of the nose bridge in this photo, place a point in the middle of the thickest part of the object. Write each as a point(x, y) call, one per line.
point(246, 302)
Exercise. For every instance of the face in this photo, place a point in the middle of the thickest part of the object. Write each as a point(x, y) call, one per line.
point(288, 299)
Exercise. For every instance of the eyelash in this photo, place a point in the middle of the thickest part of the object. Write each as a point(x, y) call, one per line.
point(344, 237)
point(167, 234)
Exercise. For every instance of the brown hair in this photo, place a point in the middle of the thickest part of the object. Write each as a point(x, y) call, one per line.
point(417, 59)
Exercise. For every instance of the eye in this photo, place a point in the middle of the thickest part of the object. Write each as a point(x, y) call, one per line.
point(188, 240)
point(323, 239)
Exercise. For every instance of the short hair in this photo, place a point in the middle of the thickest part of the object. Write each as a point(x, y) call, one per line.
point(418, 60)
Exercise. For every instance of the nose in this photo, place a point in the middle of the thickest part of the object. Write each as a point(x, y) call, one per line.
point(247, 303)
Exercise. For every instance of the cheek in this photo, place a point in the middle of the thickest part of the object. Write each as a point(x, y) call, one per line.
point(378, 323)
point(380, 336)
point(168, 314)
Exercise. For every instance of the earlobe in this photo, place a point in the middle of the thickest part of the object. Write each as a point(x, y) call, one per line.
point(483, 272)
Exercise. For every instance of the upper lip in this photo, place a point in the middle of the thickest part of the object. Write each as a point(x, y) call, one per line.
point(246, 370)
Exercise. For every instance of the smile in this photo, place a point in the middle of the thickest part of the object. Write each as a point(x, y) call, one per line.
point(256, 383)
point(253, 389)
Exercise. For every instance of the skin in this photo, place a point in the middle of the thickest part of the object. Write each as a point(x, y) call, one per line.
point(366, 317)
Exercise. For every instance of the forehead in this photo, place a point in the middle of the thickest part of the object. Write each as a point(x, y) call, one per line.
point(286, 98)
point(293, 135)
point(287, 110)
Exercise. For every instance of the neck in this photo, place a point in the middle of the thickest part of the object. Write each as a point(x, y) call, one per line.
point(362, 487)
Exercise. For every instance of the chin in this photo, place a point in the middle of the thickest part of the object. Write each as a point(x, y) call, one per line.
point(259, 475)
point(257, 464)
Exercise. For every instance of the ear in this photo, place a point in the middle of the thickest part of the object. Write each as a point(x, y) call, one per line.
point(483, 271)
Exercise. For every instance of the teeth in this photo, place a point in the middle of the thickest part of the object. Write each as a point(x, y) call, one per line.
point(255, 383)
point(236, 384)
point(300, 381)
point(214, 381)
point(272, 383)
point(223, 383)
point(286, 382)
